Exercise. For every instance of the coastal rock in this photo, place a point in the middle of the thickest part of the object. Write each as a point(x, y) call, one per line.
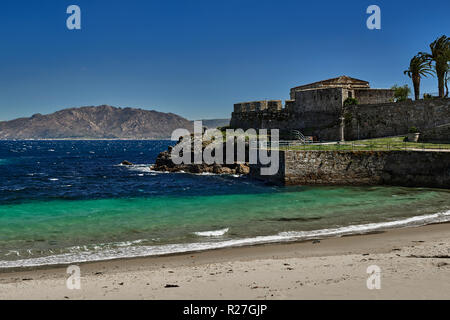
point(242, 168)
point(164, 163)
point(126, 163)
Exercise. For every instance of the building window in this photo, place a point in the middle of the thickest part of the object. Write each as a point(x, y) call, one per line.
point(350, 94)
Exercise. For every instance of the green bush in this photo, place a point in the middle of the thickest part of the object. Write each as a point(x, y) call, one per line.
point(413, 130)
point(350, 101)
point(401, 93)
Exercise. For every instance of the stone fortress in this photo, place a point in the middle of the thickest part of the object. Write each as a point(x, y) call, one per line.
point(318, 110)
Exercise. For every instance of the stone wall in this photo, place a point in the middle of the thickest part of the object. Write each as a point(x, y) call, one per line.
point(440, 134)
point(252, 106)
point(400, 168)
point(371, 96)
point(319, 124)
point(327, 100)
point(390, 119)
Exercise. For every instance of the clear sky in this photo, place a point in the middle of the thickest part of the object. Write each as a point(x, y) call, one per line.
point(197, 58)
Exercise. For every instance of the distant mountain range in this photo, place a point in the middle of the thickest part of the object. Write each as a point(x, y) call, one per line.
point(102, 122)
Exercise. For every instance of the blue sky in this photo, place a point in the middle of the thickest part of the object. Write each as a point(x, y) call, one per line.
point(197, 58)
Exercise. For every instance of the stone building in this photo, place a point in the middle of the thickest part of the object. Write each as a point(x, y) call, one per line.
point(327, 96)
point(332, 93)
point(314, 109)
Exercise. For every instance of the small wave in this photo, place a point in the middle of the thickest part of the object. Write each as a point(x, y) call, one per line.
point(139, 167)
point(214, 233)
point(10, 252)
point(108, 245)
point(53, 179)
point(129, 243)
point(18, 189)
point(217, 174)
point(145, 251)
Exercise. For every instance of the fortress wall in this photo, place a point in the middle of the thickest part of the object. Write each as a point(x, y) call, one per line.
point(327, 100)
point(390, 119)
point(311, 123)
point(252, 106)
point(400, 168)
point(372, 96)
point(361, 121)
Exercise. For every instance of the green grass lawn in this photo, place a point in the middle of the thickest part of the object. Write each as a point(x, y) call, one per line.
point(391, 143)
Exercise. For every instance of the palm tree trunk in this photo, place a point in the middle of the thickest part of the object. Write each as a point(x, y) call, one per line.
point(441, 79)
point(441, 87)
point(446, 86)
point(416, 84)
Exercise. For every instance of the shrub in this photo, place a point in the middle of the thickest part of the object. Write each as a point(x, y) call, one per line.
point(413, 130)
point(350, 101)
point(401, 93)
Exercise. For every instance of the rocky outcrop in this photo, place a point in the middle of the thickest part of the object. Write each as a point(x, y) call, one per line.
point(126, 163)
point(164, 163)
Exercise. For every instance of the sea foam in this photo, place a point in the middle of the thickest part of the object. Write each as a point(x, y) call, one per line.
point(214, 233)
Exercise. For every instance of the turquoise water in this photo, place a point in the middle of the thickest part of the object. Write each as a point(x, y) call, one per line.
point(62, 208)
point(87, 226)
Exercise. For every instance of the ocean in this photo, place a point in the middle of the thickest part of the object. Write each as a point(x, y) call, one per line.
point(66, 202)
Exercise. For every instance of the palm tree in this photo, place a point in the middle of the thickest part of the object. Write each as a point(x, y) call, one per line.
point(419, 67)
point(439, 54)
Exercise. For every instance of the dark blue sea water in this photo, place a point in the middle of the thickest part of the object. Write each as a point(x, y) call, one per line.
point(72, 201)
point(83, 170)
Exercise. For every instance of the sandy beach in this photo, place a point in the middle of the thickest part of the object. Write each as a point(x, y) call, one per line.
point(414, 264)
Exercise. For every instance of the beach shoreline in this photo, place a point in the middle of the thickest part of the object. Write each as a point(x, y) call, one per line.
point(414, 264)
